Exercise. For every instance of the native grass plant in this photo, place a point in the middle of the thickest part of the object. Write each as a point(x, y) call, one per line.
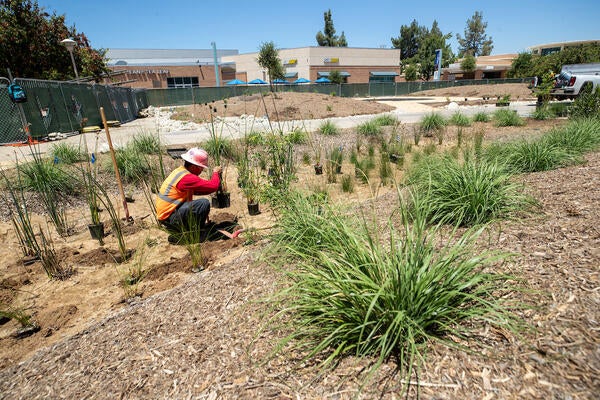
point(350, 293)
point(51, 182)
point(146, 143)
point(280, 160)
point(386, 174)
point(477, 144)
point(132, 164)
point(459, 119)
point(432, 123)
point(297, 136)
point(560, 147)
point(33, 244)
point(505, 117)
point(416, 135)
point(560, 109)
point(503, 101)
point(481, 117)
point(386, 120)
point(467, 193)
point(18, 314)
point(577, 137)
point(66, 153)
point(527, 156)
point(347, 184)
point(107, 204)
point(328, 128)
point(88, 178)
point(333, 160)
point(542, 113)
point(134, 272)
point(369, 128)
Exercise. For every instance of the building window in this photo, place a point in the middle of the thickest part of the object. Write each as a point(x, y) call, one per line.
point(382, 77)
point(182, 82)
point(550, 50)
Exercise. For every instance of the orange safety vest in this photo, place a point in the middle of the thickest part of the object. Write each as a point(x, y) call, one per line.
point(169, 197)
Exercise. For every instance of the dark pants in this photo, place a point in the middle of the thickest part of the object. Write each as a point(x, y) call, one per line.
point(189, 216)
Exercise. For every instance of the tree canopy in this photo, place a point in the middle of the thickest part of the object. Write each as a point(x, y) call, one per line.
point(30, 44)
point(420, 44)
point(328, 36)
point(527, 64)
point(476, 41)
point(268, 58)
point(409, 39)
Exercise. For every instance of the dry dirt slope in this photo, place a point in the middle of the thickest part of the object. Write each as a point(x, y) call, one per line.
point(200, 340)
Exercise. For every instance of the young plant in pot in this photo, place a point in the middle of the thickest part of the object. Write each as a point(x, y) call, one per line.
point(317, 150)
point(252, 191)
point(90, 185)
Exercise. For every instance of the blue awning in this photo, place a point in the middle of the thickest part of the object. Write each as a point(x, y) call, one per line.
point(383, 73)
point(291, 75)
point(326, 73)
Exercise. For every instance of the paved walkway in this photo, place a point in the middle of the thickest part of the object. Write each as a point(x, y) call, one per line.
point(408, 110)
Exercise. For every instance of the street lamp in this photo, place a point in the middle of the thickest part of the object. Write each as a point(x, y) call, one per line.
point(70, 45)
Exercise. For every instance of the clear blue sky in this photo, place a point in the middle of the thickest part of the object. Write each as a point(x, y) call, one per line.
point(245, 24)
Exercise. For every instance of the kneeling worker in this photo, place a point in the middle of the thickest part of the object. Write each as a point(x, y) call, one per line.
point(176, 208)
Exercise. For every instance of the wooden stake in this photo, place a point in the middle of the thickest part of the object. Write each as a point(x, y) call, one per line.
point(114, 159)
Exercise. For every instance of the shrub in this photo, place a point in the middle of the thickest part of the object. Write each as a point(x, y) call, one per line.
point(328, 128)
point(460, 119)
point(466, 194)
point(352, 294)
point(254, 138)
point(66, 153)
point(586, 105)
point(506, 117)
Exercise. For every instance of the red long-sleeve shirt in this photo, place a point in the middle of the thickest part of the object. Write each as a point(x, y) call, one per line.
point(197, 185)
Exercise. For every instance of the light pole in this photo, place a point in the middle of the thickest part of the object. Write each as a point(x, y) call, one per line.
point(70, 45)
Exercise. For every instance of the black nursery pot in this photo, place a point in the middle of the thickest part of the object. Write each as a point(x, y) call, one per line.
point(221, 200)
point(253, 209)
point(96, 230)
point(318, 169)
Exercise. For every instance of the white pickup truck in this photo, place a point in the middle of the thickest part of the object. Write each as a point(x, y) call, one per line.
point(575, 79)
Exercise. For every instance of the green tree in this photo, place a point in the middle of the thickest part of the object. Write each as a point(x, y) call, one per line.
point(409, 39)
point(521, 66)
point(328, 36)
point(411, 73)
point(468, 63)
point(475, 41)
point(30, 44)
point(335, 76)
point(434, 39)
point(268, 58)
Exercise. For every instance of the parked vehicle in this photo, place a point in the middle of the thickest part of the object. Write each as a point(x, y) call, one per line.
point(575, 79)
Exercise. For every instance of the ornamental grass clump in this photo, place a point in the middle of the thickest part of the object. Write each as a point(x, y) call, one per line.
point(369, 128)
point(528, 156)
point(506, 117)
point(350, 293)
point(460, 119)
point(66, 153)
point(146, 143)
point(481, 117)
point(328, 128)
point(432, 123)
point(577, 137)
point(467, 193)
point(386, 120)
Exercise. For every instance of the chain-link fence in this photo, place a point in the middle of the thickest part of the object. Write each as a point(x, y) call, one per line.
point(199, 95)
point(64, 107)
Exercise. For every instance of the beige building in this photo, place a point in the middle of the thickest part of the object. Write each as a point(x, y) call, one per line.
point(549, 48)
point(487, 67)
point(356, 65)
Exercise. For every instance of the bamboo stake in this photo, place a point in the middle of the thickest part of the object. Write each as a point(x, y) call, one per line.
point(114, 159)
